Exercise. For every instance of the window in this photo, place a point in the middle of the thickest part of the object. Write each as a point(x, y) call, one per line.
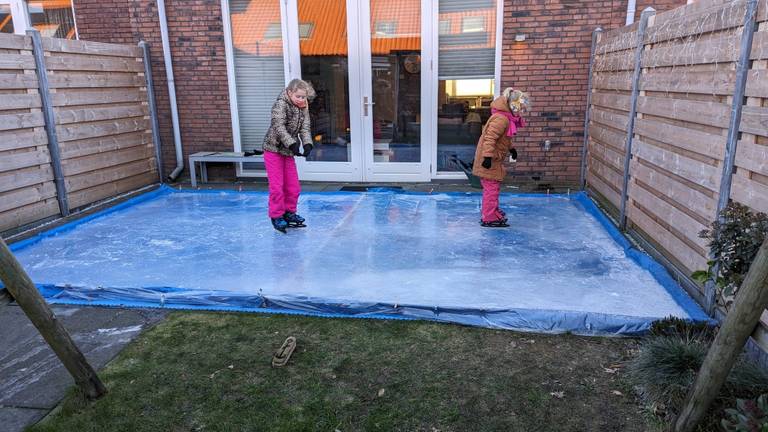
point(385, 28)
point(305, 30)
point(445, 27)
point(473, 24)
point(6, 21)
point(53, 18)
point(273, 31)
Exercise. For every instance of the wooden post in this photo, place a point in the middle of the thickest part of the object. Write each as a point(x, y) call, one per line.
point(583, 178)
point(18, 283)
point(642, 27)
point(152, 107)
point(739, 324)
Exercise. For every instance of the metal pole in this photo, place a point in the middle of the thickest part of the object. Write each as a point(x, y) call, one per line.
point(742, 70)
point(152, 107)
point(50, 121)
point(583, 178)
point(646, 15)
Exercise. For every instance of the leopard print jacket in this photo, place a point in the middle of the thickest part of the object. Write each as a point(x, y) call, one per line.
point(289, 125)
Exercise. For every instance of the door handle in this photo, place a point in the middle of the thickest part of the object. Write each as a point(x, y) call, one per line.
point(366, 104)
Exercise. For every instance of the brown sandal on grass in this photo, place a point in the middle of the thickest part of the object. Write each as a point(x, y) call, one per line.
point(283, 354)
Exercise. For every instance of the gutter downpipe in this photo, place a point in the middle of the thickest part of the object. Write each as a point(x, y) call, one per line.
point(631, 10)
point(171, 90)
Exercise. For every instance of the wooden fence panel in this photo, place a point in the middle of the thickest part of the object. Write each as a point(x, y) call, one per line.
point(681, 126)
point(27, 191)
point(102, 119)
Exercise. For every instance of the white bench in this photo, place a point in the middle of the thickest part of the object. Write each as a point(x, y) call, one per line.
point(204, 157)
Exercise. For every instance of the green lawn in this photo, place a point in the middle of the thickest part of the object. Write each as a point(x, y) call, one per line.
point(211, 372)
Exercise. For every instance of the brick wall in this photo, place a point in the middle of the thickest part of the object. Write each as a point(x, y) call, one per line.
point(552, 65)
point(196, 35)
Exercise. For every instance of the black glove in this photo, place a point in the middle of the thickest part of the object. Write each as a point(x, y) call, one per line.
point(513, 153)
point(295, 149)
point(307, 150)
point(487, 163)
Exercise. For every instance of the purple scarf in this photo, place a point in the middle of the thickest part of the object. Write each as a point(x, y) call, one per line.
point(514, 121)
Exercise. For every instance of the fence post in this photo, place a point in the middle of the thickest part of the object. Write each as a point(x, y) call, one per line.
point(642, 26)
point(50, 121)
point(583, 179)
point(152, 107)
point(729, 159)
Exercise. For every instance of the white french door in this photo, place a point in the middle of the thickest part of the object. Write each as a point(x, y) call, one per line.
point(364, 58)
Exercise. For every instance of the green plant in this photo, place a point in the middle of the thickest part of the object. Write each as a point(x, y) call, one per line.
point(674, 326)
point(749, 416)
point(666, 367)
point(733, 244)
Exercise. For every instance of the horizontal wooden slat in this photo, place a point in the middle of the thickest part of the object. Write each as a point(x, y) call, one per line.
point(609, 100)
point(751, 193)
point(95, 97)
point(17, 61)
point(618, 38)
point(17, 179)
point(662, 210)
point(725, 16)
point(65, 79)
point(607, 136)
point(28, 214)
point(89, 196)
point(754, 120)
point(689, 139)
point(99, 177)
point(606, 172)
point(708, 113)
point(679, 81)
point(90, 48)
point(753, 157)
point(620, 61)
point(25, 196)
point(608, 155)
point(21, 121)
point(596, 183)
point(721, 50)
point(77, 62)
point(104, 160)
point(698, 202)
point(77, 148)
point(691, 169)
point(757, 83)
point(608, 118)
point(21, 138)
point(23, 160)
point(681, 252)
point(78, 131)
point(17, 81)
point(66, 116)
point(20, 101)
point(13, 41)
point(613, 81)
point(760, 46)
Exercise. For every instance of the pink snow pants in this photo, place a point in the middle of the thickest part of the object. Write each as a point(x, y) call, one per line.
point(284, 187)
point(490, 207)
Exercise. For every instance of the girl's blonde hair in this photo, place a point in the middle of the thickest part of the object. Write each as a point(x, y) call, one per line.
point(517, 100)
point(298, 84)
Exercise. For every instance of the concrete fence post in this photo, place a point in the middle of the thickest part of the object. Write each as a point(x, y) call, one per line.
point(152, 107)
point(50, 121)
point(729, 159)
point(642, 26)
point(583, 179)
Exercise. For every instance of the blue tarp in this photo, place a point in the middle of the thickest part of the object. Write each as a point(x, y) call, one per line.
point(561, 267)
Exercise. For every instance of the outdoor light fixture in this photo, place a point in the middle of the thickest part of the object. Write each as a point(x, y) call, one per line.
point(519, 37)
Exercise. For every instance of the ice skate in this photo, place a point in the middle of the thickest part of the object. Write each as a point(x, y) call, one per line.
point(501, 223)
point(294, 220)
point(280, 224)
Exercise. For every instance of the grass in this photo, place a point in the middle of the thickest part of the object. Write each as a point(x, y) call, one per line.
point(211, 372)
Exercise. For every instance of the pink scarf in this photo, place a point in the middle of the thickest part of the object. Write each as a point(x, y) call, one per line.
point(514, 121)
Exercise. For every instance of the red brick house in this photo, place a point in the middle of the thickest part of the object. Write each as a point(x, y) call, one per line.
point(430, 67)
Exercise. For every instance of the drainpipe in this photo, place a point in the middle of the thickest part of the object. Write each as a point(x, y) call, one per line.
point(171, 90)
point(631, 9)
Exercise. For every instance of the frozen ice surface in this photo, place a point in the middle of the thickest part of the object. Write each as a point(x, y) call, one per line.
point(394, 248)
